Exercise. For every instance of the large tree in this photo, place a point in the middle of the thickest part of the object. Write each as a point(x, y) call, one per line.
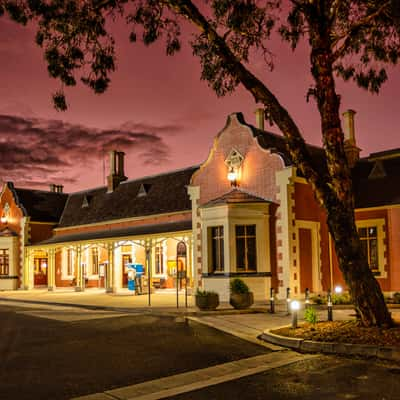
point(347, 39)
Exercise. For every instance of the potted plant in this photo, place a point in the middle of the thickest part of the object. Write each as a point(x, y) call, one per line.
point(206, 300)
point(240, 297)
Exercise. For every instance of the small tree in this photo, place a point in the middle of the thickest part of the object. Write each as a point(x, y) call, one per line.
point(348, 39)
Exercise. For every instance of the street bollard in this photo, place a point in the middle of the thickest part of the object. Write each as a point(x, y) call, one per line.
point(288, 300)
point(307, 299)
point(330, 311)
point(272, 301)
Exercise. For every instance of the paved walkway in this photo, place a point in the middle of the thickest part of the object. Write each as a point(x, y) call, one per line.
point(201, 378)
point(246, 325)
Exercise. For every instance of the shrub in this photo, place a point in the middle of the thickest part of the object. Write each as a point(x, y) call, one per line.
point(343, 298)
point(204, 293)
point(238, 286)
point(318, 300)
point(310, 315)
point(396, 298)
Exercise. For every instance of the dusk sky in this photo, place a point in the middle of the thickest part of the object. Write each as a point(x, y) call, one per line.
point(156, 110)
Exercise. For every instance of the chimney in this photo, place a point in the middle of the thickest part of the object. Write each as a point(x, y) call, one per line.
point(260, 118)
point(350, 146)
point(59, 188)
point(116, 176)
point(52, 187)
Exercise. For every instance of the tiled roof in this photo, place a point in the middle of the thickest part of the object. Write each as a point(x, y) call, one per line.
point(139, 230)
point(164, 193)
point(41, 205)
point(235, 196)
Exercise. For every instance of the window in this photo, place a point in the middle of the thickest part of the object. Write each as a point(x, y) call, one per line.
point(159, 260)
point(4, 262)
point(246, 250)
point(95, 261)
point(369, 242)
point(70, 262)
point(126, 259)
point(217, 248)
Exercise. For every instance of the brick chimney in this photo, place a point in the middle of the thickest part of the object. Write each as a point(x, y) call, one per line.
point(117, 174)
point(350, 146)
point(52, 187)
point(56, 188)
point(260, 118)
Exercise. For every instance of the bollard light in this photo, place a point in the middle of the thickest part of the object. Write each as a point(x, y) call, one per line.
point(272, 301)
point(288, 300)
point(294, 306)
point(307, 298)
point(330, 313)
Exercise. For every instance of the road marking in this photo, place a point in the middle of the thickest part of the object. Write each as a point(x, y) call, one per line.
point(201, 378)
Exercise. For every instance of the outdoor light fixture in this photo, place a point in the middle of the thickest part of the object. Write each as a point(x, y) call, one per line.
point(338, 289)
point(307, 299)
point(4, 219)
point(294, 306)
point(234, 162)
point(330, 311)
point(232, 176)
point(272, 301)
point(6, 211)
point(288, 300)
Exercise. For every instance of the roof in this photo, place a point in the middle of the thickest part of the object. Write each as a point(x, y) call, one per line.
point(41, 205)
point(278, 144)
point(377, 189)
point(158, 194)
point(125, 232)
point(235, 196)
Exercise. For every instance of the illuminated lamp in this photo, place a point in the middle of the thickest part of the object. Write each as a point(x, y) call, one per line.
point(4, 219)
point(232, 176)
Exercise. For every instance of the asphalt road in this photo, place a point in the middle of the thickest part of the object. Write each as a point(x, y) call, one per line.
point(321, 378)
point(59, 352)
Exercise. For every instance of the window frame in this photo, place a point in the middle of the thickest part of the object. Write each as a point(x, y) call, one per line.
point(246, 237)
point(217, 253)
point(4, 262)
point(379, 224)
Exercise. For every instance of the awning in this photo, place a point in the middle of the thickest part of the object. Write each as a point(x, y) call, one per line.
point(139, 230)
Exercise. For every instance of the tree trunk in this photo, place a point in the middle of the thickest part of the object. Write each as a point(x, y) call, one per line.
point(364, 289)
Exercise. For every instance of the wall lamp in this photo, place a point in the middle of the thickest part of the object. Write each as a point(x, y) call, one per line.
point(234, 162)
point(4, 219)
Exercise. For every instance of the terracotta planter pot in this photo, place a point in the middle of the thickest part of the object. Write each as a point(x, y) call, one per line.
point(207, 303)
point(240, 301)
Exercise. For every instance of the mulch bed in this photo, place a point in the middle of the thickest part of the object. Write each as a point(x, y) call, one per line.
point(344, 332)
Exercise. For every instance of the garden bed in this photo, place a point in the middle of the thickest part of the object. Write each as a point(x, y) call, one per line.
point(344, 332)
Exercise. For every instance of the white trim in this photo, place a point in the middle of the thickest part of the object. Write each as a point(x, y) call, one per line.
point(315, 255)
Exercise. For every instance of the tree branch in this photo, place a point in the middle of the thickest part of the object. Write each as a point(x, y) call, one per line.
point(347, 36)
point(260, 92)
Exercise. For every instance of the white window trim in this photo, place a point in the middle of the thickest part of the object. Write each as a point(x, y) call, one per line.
point(64, 265)
point(379, 223)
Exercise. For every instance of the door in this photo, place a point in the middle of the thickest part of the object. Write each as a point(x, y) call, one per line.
point(40, 274)
point(126, 259)
point(306, 259)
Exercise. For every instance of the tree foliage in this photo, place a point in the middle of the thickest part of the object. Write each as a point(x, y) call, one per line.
point(347, 39)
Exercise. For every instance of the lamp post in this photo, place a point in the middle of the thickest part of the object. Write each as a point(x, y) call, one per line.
point(330, 313)
point(295, 306)
point(272, 301)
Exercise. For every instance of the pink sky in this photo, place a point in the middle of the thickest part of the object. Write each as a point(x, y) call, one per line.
point(157, 110)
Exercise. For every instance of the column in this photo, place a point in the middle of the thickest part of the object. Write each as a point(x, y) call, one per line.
point(28, 271)
point(148, 268)
point(51, 269)
point(109, 281)
point(116, 269)
point(80, 280)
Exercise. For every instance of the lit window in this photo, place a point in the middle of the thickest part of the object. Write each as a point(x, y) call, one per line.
point(70, 262)
point(4, 262)
point(217, 248)
point(95, 261)
point(369, 244)
point(246, 250)
point(159, 260)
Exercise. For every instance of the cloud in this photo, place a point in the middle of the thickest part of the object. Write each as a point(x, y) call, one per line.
point(35, 152)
